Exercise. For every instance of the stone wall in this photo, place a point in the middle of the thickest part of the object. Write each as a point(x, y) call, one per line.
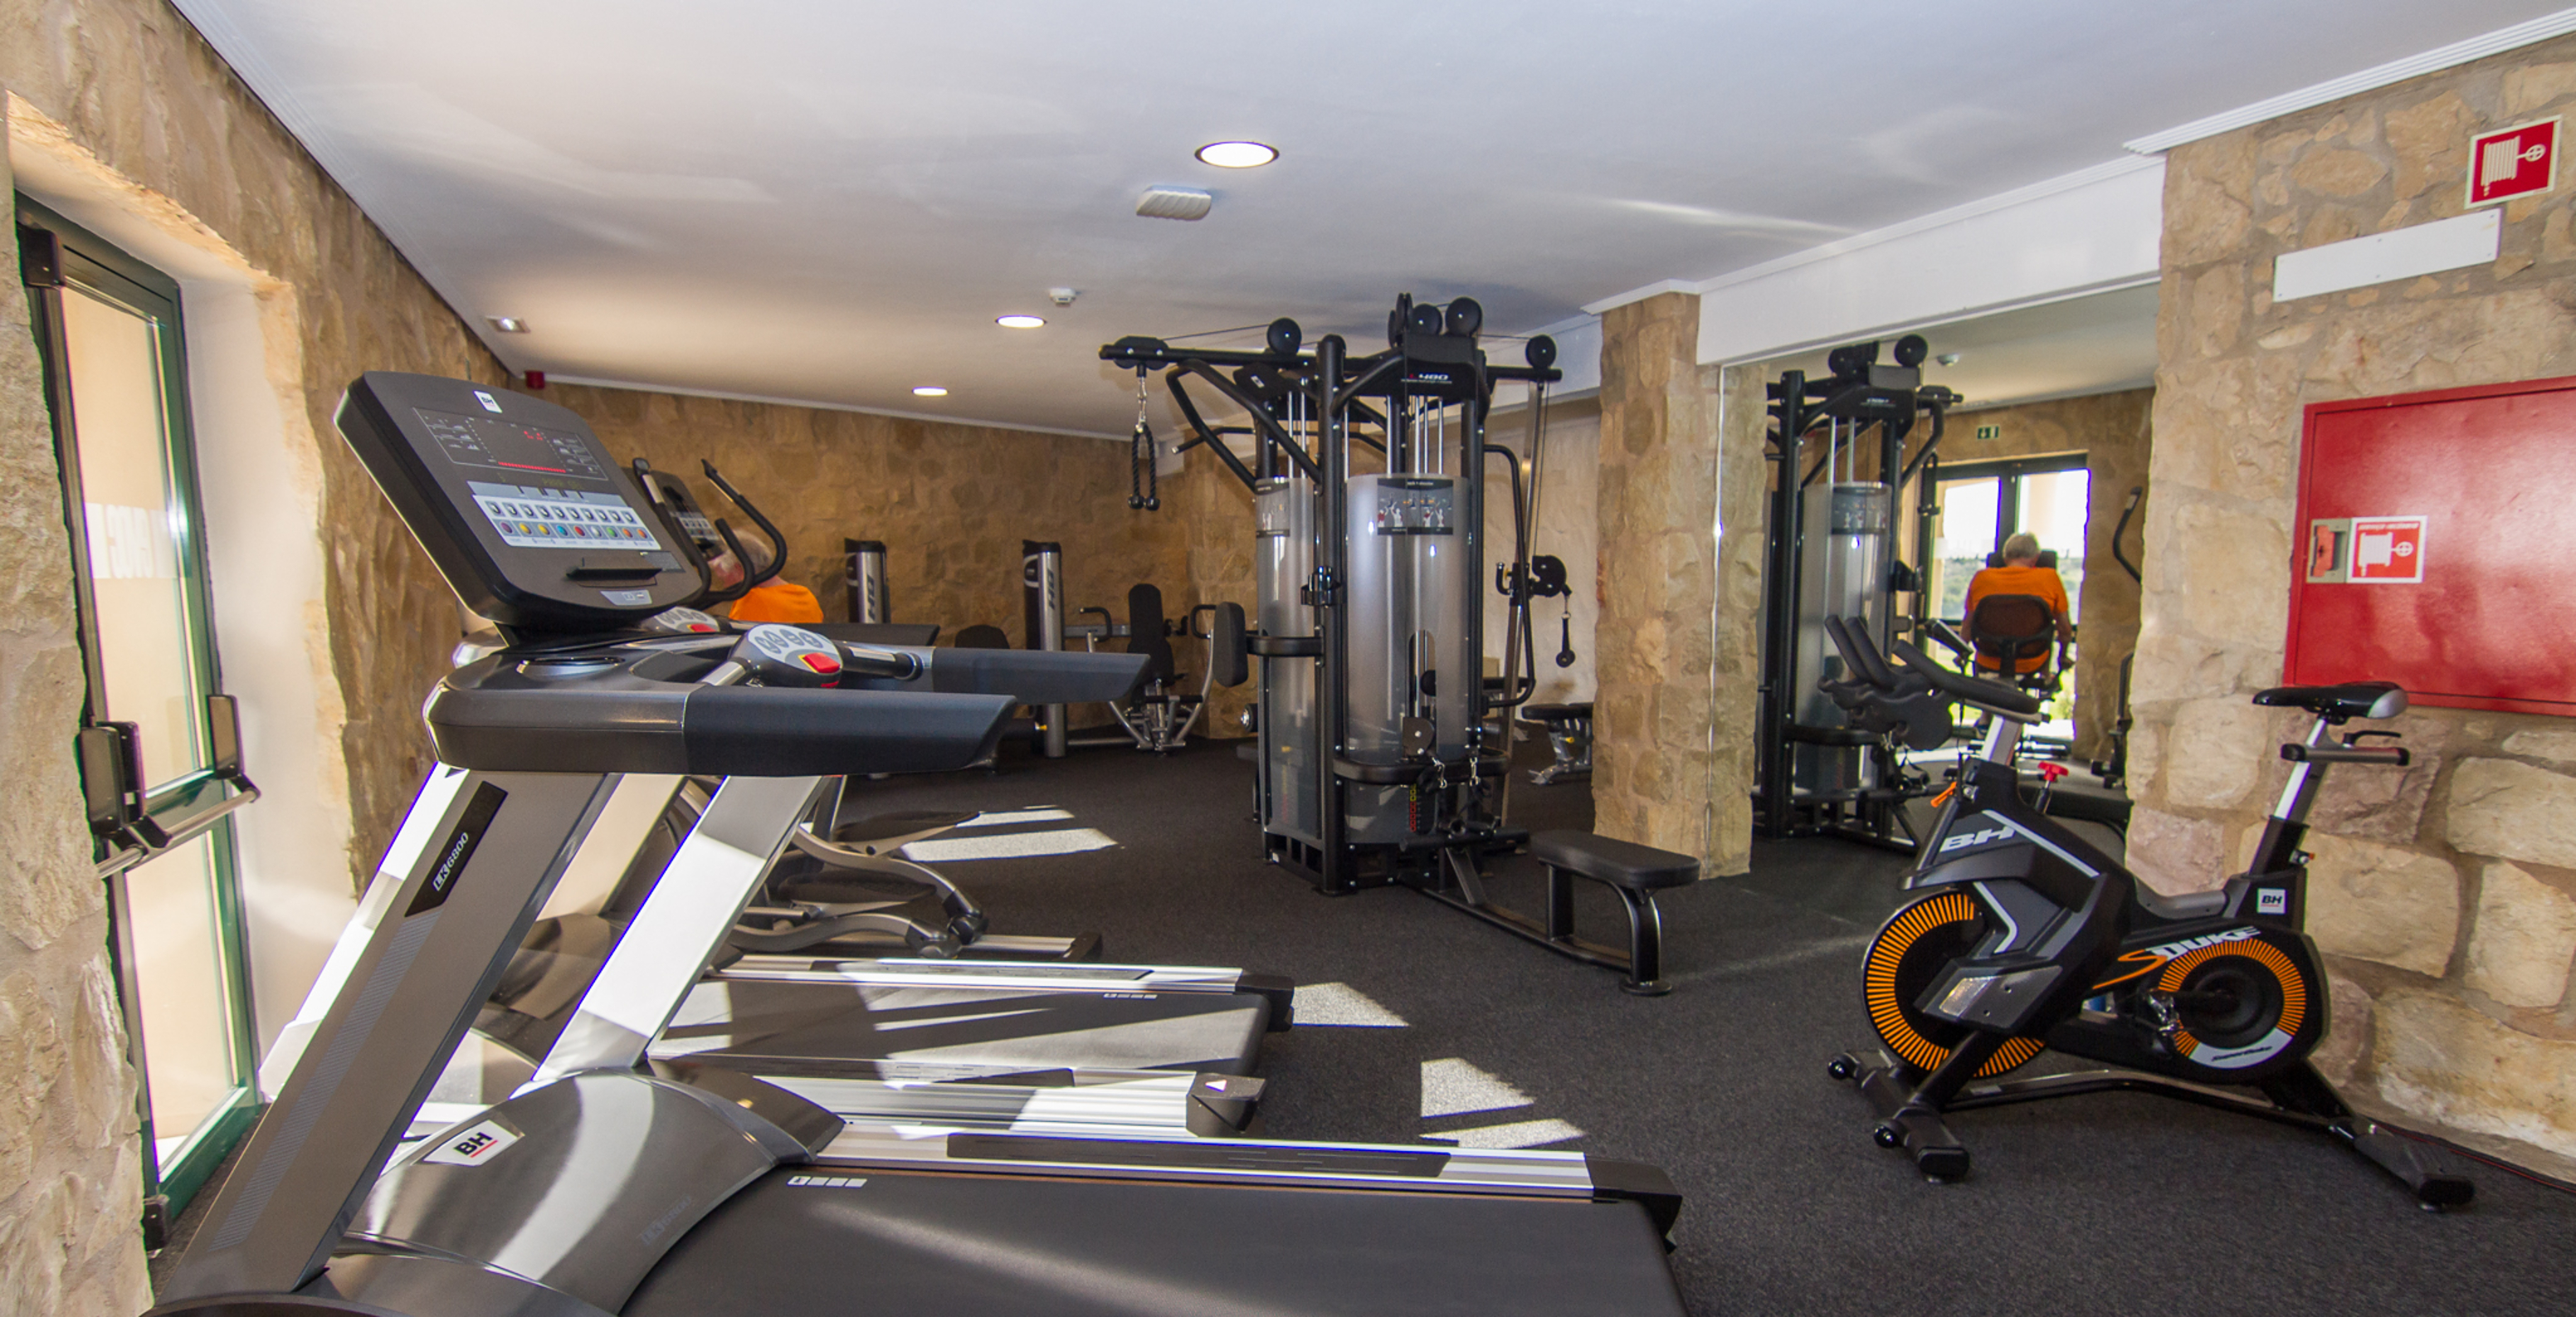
point(132, 84)
point(71, 1187)
point(951, 502)
point(1662, 659)
point(2444, 895)
point(2111, 430)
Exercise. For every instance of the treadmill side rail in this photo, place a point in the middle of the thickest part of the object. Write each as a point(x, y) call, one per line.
point(672, 940)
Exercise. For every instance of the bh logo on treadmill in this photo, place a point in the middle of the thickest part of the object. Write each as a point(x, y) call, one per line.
point(474, 1145)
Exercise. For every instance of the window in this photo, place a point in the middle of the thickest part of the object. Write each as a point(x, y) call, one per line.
point(107, 328)
point(1984, 503)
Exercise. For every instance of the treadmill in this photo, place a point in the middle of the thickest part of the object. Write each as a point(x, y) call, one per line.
point(1154, 1049)
point(675, 1189)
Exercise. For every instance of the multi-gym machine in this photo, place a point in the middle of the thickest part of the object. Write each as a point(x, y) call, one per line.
point(1841, 469)
point(1382, 746)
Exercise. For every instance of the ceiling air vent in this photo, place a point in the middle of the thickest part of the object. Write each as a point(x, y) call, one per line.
point(1180, 203)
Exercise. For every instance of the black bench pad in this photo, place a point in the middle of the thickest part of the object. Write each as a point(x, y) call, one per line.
point(1621, 863)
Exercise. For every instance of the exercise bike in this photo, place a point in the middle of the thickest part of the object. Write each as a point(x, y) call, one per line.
point(2024, 938)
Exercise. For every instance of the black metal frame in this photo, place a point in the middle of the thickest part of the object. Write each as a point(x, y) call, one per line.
point(1867, 395)
point(1333, 389)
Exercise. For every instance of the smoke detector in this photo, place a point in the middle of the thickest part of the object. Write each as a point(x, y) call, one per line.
point(1063, 296)
point(1178, 203)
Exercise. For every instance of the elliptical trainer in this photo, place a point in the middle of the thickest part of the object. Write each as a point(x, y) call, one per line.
point(1832, 550)
point(2024, 938)
point(1380, 761)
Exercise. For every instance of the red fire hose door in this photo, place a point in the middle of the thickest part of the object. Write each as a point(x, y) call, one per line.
point(2437, 546)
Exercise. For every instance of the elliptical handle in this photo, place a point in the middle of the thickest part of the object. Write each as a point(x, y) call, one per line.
point(777, 542)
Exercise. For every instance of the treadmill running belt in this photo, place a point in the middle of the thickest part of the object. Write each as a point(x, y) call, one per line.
point(788, 1027)
point(860, 1242)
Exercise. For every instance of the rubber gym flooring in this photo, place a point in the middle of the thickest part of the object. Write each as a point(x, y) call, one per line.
point(2103, 1204)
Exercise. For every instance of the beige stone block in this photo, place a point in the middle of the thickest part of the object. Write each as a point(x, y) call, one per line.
point(2338, 173)
point(2430, 141)
point(2554, 744)
point(2203, 222)
point(2533, 86)
point(2213, 752)
point(2513, 811)
point(2398, 907)
point(2439, 1059)
point(2347, 1042)
point(2524, 939)
point(2175, 854)
point(2218, 310)
point(2232, 577)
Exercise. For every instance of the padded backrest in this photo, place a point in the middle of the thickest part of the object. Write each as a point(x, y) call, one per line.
point(2047, 559)
point(1145, 621)
point(1227, 646)
point(983, 636)
point(2011, 627)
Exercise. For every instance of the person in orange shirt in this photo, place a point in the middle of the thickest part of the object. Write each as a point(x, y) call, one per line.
point(2022, 574)
point(778, 600)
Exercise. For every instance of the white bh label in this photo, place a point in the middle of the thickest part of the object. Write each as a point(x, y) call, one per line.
point(474, 1145)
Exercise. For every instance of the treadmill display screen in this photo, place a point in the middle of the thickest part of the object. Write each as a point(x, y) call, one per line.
point(484, 441)
point(534, 517)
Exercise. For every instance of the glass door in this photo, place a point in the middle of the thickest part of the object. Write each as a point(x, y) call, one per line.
point(108, 330)
point(1982, 504)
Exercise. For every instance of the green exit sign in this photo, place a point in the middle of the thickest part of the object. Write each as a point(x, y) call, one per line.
point(1990, 432)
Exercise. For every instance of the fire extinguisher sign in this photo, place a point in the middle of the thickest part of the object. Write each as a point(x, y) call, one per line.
point(2366, 550)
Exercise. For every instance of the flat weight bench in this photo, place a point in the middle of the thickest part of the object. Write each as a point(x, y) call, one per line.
point(1636, 873)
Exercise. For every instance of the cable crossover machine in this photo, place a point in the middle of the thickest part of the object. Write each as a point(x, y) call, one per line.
point(1833, 552)
point(1382, 750)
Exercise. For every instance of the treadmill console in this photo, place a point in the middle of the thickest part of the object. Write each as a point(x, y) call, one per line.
point(529, 519)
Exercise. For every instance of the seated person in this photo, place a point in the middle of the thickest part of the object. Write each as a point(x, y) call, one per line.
point(778, 600)
point(774, 600)
point(2021, 574)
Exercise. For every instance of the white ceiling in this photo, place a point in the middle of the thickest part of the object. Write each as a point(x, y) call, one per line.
point(829, 201)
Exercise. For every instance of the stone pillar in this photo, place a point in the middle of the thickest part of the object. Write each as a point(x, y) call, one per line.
point(71, 1188)
point(1655, 777)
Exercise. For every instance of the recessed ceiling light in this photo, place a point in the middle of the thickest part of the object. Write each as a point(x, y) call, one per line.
point(928, 391)
point(1020, 322)
point(1238, 155)
point(508, 324)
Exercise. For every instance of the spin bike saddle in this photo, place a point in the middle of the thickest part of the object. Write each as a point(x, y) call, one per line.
point(2352, 699)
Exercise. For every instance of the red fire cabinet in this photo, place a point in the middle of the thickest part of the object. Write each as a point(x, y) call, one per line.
point(2436, 546)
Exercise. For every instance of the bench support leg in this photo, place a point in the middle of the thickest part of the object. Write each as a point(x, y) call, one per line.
point(1645, 945)
point(1560, 904)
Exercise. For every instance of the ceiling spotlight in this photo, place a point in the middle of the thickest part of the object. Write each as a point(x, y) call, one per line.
point(508, 324)
point(1238, 155)
point(1020, 322)
point(928, 391)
